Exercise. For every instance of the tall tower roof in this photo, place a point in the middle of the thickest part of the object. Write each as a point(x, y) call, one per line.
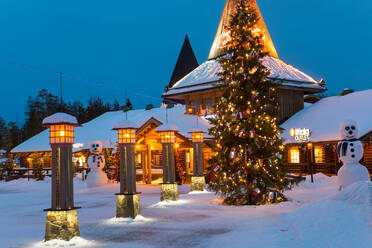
point(230, 8)
point(186, 63)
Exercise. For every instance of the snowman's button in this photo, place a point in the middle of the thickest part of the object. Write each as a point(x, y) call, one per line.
point(352, 150)
point(353, 156)
point(351, 144)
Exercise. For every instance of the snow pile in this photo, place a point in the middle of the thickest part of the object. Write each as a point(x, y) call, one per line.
point(324, 117)
point(341, 220)
point(127, 221)
point(75, 242)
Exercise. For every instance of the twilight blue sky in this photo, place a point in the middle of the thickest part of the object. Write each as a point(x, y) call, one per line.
point(135, 44)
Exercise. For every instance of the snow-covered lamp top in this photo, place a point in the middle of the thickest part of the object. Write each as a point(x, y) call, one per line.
point(197, 135)
point(126, 132)
point(61, 128)
point(167, 128)
point(167, 133)
point(60, 118)
point(125, 125)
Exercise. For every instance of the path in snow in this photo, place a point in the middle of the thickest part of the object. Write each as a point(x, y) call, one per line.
point(197, 220)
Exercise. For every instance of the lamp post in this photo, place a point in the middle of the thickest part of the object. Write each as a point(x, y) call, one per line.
point(169, 187)
point(198, 179)
point(128, 202)
point(62, 222)
point(310, 156)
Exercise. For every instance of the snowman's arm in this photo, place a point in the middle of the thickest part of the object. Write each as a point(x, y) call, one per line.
point(339, 149)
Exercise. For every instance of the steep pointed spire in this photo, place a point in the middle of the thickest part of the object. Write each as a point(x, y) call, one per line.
point(186, 63)
point(222, 33)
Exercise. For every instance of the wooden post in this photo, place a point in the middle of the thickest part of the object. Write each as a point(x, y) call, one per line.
point(128, 166)
point(144, 166)
point(62, 222)
point(149, 164)
point(310, 161)
point(198, 179)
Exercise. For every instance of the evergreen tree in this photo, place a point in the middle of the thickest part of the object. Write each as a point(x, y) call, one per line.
point(3, 135)
point(149, 106)
point(116, 105)
point(96, 107)
point(128, 106)
point(14, 135)
point(246, 167)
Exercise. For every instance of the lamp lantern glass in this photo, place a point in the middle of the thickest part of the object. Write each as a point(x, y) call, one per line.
point(127, 135)
point(197, 137)
point(167, 137)
point(61, 133)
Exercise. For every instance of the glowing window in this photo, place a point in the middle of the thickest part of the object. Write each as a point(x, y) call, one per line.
point(318, 154)
point(294, 156)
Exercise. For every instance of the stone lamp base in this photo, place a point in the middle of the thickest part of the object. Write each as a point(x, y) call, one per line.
point(127, 205)
point(169, 192)
point(61, 224)
point(197, 183)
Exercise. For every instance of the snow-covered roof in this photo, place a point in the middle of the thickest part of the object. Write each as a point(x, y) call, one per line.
point(205, 77)
point(60, 118)
point(101, 128)
point(324, 117)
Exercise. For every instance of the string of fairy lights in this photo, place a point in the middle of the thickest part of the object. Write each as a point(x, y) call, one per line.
point(62, 75)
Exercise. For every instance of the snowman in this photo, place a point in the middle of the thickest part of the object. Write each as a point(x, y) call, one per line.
point(96, 162)
point(350, 151)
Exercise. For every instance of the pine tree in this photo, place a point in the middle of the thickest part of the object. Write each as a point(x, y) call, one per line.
point(246, 167)
point(3, 135)
point(116, 105)
point(128, 106)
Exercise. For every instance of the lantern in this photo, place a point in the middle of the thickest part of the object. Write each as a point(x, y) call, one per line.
point(198, 179)
point(169, 188)
point(62, 216)
point(197, 135)
point(61, 128)
point(127, 204)
point(126, 133)
point(167, 134)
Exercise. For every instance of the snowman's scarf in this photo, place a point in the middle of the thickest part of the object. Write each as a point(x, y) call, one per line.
point(343, 145)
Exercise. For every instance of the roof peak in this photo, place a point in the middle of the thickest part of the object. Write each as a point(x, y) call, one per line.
point(217, 50)
point(186, 63)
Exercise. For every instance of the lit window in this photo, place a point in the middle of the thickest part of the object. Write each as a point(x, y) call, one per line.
point(318, 154)
point(208, 105)
point(294, 156)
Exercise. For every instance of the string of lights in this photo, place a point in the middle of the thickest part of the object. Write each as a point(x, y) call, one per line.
point(81, 79)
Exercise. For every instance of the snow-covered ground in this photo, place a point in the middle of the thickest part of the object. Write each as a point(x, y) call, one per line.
point(318, 215)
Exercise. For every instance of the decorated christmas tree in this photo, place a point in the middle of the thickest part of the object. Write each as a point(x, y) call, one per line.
point(246, 167)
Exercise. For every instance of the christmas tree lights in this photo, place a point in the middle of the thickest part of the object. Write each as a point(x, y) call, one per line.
point(246, 167)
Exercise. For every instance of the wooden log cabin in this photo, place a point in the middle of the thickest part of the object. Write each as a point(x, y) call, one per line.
point(200, 89)
point(322, 119)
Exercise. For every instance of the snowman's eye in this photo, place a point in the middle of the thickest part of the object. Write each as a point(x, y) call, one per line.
point(93, 146)
point(352, 127)
point(347, 128)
